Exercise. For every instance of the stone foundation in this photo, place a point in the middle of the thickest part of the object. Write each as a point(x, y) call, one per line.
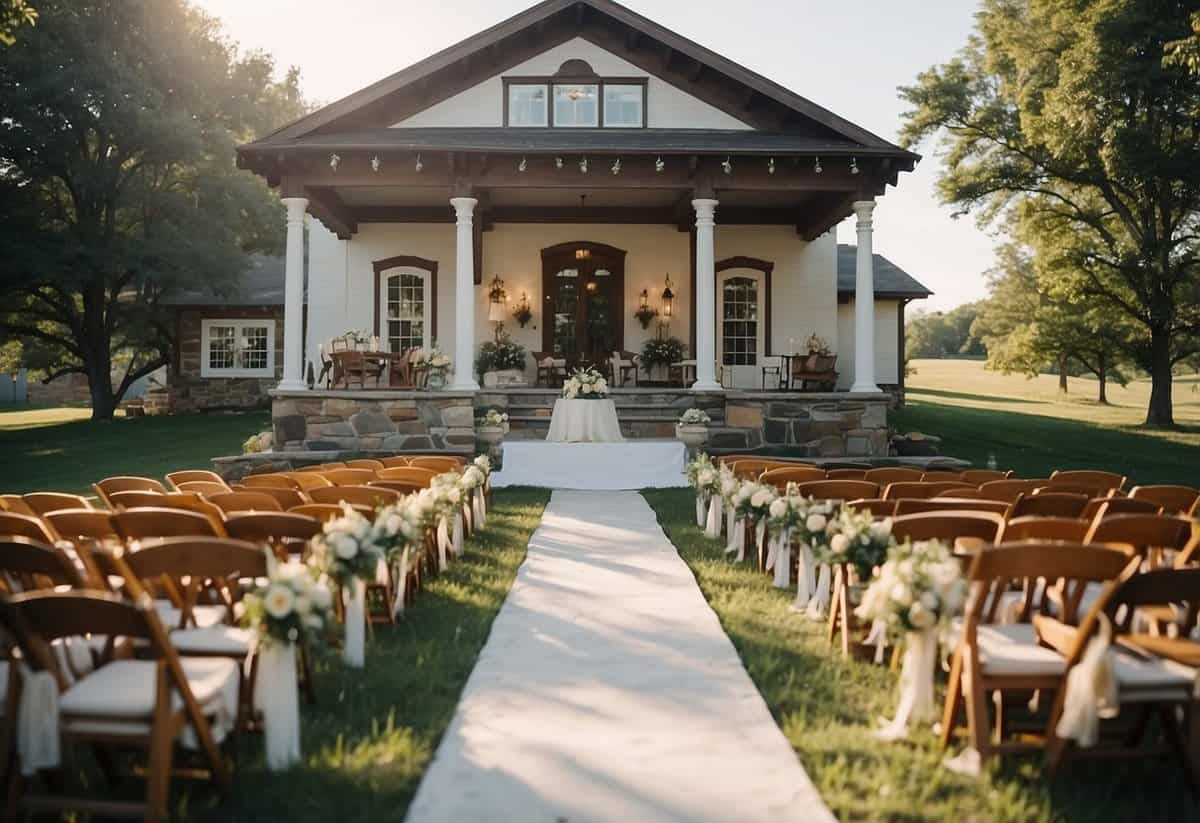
point(383, 421)
point(807, 425)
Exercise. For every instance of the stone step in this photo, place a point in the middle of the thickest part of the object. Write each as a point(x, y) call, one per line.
point(657, 412)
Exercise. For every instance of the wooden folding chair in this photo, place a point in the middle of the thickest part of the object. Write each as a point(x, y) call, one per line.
point(751, 469)
point(963, 529)
point(879, 509)
point(409, 474)
point(394, 461)
point(1155, 676)
point(838, 489)
point(246, 501)
point(438, 463)
point(1008, 490)
point(135, 498)
point(33, 565)
point(994, 658)
point(26, 525)
point(730, 459)
point(15, 503)
point(42, 502)
point(1045, 529)
point(366, 463)
point(306, 480)
point(1149, 535)
point(320, 467)
point(125, 483)
point(1119, 505)
point(278, 481)
point(780, 477)
point(286, 498)
point(1171, 499)
point(950, 504)
point(202, 487)
point(194, 476)
point(86, 524)
point(325, 512)
point(142, 523)
point(347, 477)
point(965, 493)
point(1101, 480)
point(893, 474)
point(141, 704)
point(372, 497)
point(942, 474)
point(403, 487)
point(846, 474)
point(977, 477)
point(286, 532)
point(921, 490)
point(1048, 504)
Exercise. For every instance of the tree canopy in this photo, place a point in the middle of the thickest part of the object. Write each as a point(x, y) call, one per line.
point(942, 334)
point(1066, 113)
point(117, 178)
point(13, 15)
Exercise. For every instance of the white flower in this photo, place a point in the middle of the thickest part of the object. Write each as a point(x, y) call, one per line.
point(345, 546)
point(279, 601)
point(303, 605)
point(761, 498)
point(921, 617)
point(881, 530)
point(816, 523)
point(902, 594)
point(839, 544)
point(706, 477)
point(778, 508)
point(321, 596)
point(930, 601)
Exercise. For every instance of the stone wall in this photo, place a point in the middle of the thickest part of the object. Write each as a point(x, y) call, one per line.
point(807, 425)
point(188, 391)
point(383, 421)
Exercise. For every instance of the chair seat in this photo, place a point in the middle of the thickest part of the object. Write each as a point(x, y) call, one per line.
point(218, 640)
point(1013, 649)
point(205, 615)
point(1154, 678)
point(119, 698)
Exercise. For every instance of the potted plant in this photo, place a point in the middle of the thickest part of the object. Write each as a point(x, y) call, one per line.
point(492, 427)
point(664, 352)
point(501, 362)
point(817, 344)
point(692, 429)
point(433, 364)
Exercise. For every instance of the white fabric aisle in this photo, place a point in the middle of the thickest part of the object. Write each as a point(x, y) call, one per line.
point(634, 464)
point(607, 691)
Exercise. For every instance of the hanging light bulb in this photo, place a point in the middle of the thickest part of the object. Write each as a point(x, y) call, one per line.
point(817, 166)
point(375, 164)
point(854, 165)
point(333, 161)
point(771, 166)
point(558, 162)
point(583, 165)
point(727, 166)
point(419, 164)
point(659, 165)
point(524, 164)
point(616, 167)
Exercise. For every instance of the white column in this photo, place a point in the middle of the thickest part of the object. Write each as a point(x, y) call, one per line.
point(864, 301)
point(464, 295)
point(293, 296)
point(705, 297)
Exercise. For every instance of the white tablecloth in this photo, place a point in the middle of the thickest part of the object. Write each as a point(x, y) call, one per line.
point(634, 464)
point(584, 421)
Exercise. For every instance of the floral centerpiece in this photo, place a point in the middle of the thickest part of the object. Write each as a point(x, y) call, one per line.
point(347, 552)
point(656, 352)
point(817, 344)
point(435, 363)
point(293, 607)
point(695, 417)
point(585, 384)
point(500, 355)
point(853, 538)
point(917, 589)
point(702, 476)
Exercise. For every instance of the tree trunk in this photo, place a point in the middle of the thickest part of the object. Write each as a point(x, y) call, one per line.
point(1062, 373)
point(1102, 375)
point(1161, 411)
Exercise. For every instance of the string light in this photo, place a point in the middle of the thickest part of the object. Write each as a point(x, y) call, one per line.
point(524, 164)
point(659, 165)
point(771, 166)
point(616, 167)
point(419, 164)
point(583, 165)
point(727, 166)
point(854, 165)
point(558, 162)
point(333, 161)
point(817, 166)
point(375, 164)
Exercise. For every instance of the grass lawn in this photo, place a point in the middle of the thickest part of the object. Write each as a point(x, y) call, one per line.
point(1032, 429)
point(55, 450)
point(371, 735)
point(827, 708)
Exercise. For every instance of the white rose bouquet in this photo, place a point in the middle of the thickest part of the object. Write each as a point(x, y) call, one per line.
point(448, 495)
point(585, 384)
point(484, 464)
point(346, 548)
point(695, 417)
point(851, 537)
point(917, 589)
point(294, 605)
point(704, 478)
point(494, 418)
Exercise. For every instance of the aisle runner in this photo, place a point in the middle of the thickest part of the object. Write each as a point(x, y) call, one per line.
point(607, 691)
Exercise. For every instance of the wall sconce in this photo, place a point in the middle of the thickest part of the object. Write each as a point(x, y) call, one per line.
point(523, 313)
point(668, 298)
point(497, 310)
point(645, 313)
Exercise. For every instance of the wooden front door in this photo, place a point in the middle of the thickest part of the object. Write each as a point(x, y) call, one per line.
point(583, 289)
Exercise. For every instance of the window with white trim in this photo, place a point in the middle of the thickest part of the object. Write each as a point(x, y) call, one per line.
point(237, 348)
point(405, 303)
point(739, 321)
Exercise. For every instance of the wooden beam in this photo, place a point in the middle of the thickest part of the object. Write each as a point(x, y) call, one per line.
point(679, 215)
point(826, 213)
point(327, 206)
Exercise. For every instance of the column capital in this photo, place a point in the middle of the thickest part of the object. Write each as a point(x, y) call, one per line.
point(706, 208)
point(296, 207)
point(464, 207)
point(863, 210)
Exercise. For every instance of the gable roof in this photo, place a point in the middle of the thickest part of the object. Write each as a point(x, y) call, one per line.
point(654, 48)
point(261, 284)
point(891, 281)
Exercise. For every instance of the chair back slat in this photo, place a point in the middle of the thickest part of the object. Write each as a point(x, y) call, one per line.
point(15, 503)
point(272, 526)
point(1008, 490)
point(1144, 532)
point(1088, 477)
point(202, 557)
point(1071, 561)
point(1066, 529)
point(1119, 505)
point(202, 487)
point(438, 463)
point(325, 512)
point(135, 498)
point(348, 477)
point(286, 498)
point(89, 524)
point(949, 504)
point(279, 481)
point(753, 468)
point(977, 477)
point(42, 502)
point(126, 483)
point(409, 474)
point(893, 474)
point(877, 507)
point(306, 480)
point(948, 526)
point(245, 501)
point(1172, 499)
point(394, 461)
point(839, 489)
point(780, 477)
point(1049, 504)
point(27, 525)
point(194, 476)
point(141, 523)
point(403, 487)
point(365, 463)
point(24, 558)
point(846, 474)
point(371, 496)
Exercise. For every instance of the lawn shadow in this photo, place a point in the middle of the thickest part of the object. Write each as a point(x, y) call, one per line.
point(978, 398)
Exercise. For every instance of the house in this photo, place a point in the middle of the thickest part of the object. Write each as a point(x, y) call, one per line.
point(228, 347)
point(581, 154)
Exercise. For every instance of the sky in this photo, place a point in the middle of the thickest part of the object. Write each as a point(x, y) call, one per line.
point(846, 56)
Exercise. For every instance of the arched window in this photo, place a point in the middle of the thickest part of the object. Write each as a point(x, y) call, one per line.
point(405, 302)
point(740, 337)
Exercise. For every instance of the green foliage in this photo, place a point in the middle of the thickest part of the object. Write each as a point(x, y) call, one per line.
point(117, 182)
point(663, 352)
point(499, 355)
point(13, 15)
point(1069, 117)
point(942, 334)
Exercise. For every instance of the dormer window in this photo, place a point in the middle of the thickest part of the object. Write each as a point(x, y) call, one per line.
point(575, 97)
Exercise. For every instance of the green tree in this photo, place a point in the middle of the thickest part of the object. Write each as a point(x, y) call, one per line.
point(942, 334)
point(117, 180)
point(13, 15)
point(1066, 110)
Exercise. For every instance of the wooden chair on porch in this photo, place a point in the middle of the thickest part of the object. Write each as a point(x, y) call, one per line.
point(400, 371)
point(682, 374)
point(623, 364)
point(551, 370)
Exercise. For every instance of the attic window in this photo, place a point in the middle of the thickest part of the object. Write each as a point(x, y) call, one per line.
point(581, 101)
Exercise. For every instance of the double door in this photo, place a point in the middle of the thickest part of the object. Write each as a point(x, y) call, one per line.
point(584, 297)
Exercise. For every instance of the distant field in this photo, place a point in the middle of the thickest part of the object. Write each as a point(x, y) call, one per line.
point(1034, 430)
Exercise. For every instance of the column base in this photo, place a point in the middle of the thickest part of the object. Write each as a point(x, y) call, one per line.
point(865, 387)
point(707, 385)
point(292, 385)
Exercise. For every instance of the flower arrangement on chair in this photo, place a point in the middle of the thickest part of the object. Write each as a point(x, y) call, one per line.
point(348, 552)
point(919, 588)
point(585, 384)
